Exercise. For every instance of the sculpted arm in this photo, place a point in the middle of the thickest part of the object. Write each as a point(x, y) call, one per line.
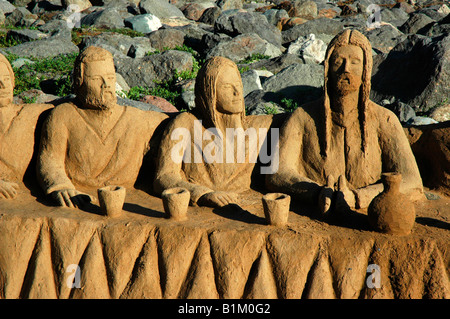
point(52, 152)
point(290, 177)
point(397, 156)
point(51, 171)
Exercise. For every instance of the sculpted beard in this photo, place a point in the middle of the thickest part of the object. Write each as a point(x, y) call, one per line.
point(347, 82)
point(106, 99)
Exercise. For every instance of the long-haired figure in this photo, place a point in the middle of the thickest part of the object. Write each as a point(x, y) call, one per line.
point(344, 137)
point(201, 150)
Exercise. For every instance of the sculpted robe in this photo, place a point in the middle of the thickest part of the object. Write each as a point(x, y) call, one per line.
point(202, 178)
point(304, 169)
point(17, 138)
point(74, 153)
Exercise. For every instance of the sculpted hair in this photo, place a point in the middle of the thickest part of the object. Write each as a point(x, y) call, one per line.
point(349, 37)
point(5, 61)
point(90, 54)
point(206, 88)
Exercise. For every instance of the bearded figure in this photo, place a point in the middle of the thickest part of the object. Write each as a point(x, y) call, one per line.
point(92, 141)
point(343, 142)
point(18, 125)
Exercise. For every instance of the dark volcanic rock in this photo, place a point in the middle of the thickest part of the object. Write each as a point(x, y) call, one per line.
point(416, 71)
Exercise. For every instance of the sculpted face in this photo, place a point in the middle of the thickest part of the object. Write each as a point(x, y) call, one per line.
point(99, 83)
point(346, 69)
point(229, 92)
point(6, 86)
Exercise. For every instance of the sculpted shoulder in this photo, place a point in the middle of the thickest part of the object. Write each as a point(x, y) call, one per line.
point(385, 117)
point(37, 107)
point(63, 111)
point(308, 113)
point(184, 119)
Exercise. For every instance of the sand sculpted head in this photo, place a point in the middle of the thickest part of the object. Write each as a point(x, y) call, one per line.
point(218, 90)
point(6, 82)
point(94, 78)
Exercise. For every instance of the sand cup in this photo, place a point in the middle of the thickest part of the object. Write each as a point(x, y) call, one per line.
point(111, 199)
point(276, 208)
point(176, 202)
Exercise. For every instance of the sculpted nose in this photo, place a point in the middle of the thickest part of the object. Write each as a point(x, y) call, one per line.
point(346, 66)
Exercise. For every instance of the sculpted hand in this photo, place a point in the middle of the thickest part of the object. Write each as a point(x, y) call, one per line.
point(71, 198)
point(345, 196)
point(8, 190)
point(218, 199)
point(326, 195)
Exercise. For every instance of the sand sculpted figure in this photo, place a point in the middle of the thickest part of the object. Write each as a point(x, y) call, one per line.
point(334, 150)
point(201, 151)
point(92, 141)
point(18, 124)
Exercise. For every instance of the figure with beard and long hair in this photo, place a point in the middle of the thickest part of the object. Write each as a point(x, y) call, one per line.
point(334, 150)
point(92, 141)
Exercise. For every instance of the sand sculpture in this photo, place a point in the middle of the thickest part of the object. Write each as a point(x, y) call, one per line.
point(18, 124)
point(92, 141)
point(391, 211)
point(334, 150)
point(212, 179)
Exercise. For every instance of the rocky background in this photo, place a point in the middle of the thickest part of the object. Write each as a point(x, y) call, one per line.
point(279, 46)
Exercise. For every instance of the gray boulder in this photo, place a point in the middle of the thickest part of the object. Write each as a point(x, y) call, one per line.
point(237, 23)
point(210, 15)
point(384, 38)
point(416, 22)
point(108, 18)
point(300, 82)
point(166, 38)
point(25, 35)
point(394, 16)
point(316, 26)
point(20, 17)
point(6, 7)
point(244, 46)
point(416, 71)
point(157, 67)
point(230, 4)
point(193, 35)
point(140, 105)
point(48, 47)
point(275, 64)
point(118, 42)
point(160, 8)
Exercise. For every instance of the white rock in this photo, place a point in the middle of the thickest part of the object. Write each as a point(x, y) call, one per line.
point(312, 50)
point(144, 23)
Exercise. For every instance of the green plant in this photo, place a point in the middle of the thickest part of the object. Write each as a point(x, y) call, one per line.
point(253, 58)
point(270, 108)
point(243, 69)
point(30, 76)
point(5, 42)
point(79, 33)
point(289, 104)
point(29, 100)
